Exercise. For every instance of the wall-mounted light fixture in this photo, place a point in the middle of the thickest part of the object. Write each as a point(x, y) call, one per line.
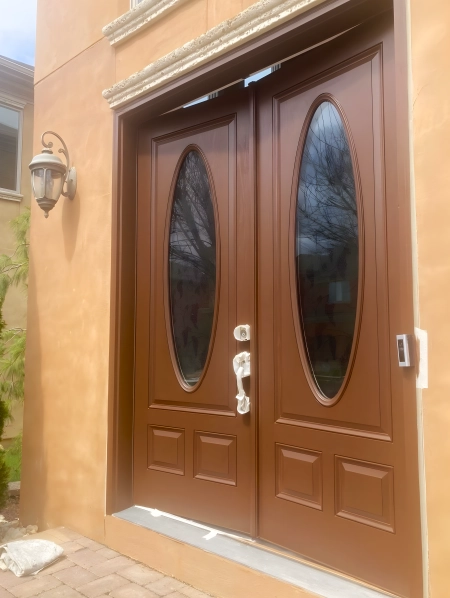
point(49, 174)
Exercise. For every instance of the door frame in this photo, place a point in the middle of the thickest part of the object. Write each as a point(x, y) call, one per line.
point(300, 33)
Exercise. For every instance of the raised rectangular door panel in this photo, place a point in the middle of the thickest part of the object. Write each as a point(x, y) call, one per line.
point(166, 449)
point(299, 475)
point(215, 457)
point(365, 492)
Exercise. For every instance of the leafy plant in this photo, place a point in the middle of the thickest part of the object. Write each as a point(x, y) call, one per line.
point(13, 273)
point(4, 469)
point(13, 459)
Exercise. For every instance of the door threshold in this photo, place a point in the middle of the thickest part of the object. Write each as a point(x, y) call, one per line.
point(250, 553)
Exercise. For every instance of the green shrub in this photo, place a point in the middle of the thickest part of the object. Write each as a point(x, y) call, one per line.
point(4, 415)
point(4, 479)
point(13, 459)
point(13, 272)
point(4, 469)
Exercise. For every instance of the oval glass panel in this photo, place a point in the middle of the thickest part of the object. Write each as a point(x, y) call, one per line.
point(327, 249)
point(192, 267)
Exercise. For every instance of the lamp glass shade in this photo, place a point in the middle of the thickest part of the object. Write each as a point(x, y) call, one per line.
point(54, 181)
point(38, 183)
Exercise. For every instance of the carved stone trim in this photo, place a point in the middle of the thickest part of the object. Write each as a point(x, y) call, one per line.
point(255, 20)
point(10, 195)
point(142, 15)
point(14, 102)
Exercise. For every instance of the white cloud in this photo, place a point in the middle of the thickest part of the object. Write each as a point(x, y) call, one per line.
point(18, 29)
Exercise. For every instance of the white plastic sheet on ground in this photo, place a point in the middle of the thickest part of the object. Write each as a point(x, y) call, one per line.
point(26, 557)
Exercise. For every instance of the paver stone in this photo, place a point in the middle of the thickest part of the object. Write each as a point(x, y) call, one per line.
point(132, 590)
point(140, 574)
point(76, 576)
point(103, 585)
point(35, 586)
point(166, 585)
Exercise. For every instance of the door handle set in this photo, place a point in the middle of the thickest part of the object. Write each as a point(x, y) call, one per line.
point(241, 366)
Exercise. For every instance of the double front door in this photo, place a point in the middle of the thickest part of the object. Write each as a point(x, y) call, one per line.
point(270, 273)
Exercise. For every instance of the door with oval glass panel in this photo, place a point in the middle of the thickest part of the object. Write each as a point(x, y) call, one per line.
point(194, 453)
point(337, 439)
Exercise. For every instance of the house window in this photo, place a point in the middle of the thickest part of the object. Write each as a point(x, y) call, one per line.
point(9, 148)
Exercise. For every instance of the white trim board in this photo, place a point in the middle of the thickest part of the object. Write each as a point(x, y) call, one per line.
point(13, 101)
point(16, 106)
point(18, 67)
point(10, 195)
point(252, 22)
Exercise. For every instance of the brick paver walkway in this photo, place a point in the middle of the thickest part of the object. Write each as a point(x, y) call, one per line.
point(90, 570)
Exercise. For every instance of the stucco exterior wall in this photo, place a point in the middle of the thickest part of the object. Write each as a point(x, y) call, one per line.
point(430, 42)
point(68, 307)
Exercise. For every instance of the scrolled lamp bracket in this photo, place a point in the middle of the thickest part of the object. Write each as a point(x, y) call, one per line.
point(71, 173)
point(49, 175)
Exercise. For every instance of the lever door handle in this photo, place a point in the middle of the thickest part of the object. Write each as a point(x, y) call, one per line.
point(241, 366)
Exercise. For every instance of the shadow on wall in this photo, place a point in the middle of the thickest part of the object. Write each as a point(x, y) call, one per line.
point(70, 221)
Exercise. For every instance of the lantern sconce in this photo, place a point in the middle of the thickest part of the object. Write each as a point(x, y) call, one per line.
point(49, 175)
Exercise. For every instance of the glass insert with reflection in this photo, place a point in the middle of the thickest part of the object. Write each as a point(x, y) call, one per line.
point(192, 267)
point(327, 248)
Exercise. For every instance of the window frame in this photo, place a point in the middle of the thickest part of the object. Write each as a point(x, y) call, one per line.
point(16, 106)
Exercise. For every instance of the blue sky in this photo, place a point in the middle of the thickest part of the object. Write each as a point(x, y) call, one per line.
point(18, 29)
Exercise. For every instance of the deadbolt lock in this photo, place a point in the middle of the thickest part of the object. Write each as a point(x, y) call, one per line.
point(242, 333)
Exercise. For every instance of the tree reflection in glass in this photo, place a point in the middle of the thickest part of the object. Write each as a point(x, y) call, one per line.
point(326, 248)
point(192, 267)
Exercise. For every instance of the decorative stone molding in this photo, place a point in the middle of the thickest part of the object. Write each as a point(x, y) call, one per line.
point(135, 20)
point(10, 195)
point(16, 82)
point(255, 20)
point(14, 102)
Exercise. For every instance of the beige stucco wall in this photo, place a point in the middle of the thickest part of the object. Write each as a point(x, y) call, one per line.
point(68, 307)
point(15, 306)
point(430, 37)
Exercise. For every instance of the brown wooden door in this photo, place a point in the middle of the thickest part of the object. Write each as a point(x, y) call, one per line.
point(336, 442)
point(194, 454)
